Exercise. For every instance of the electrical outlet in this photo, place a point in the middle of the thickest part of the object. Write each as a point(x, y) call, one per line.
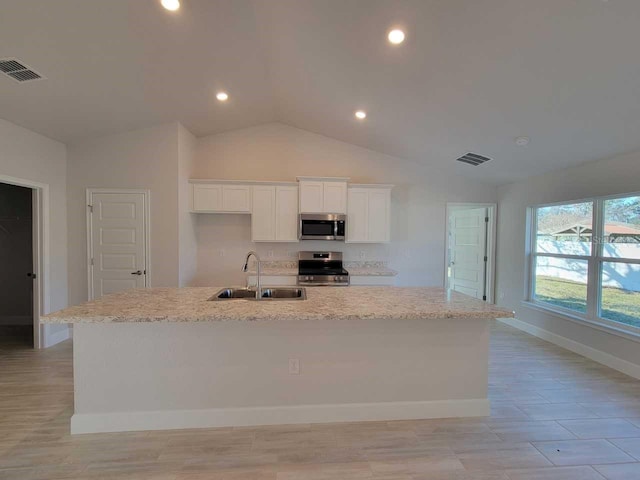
point(501, 295)
point(362, 254)
point(222, 253)
point(294, 366)
point(270, 254)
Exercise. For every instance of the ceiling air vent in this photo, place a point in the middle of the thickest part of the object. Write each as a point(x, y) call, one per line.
point(473, 159)
point(18, 71)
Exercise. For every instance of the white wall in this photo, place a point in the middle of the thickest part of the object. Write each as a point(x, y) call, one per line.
point(604, 177)
point(141, 159)
point(280, 152)
point(187, 247)
point(33, 157)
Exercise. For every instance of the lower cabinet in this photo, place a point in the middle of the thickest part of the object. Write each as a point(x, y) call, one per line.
point(372, 280)
point(273, 280)
point(289, 280)
point(274, 213)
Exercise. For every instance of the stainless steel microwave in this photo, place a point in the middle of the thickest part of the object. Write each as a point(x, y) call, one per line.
point(321, 226)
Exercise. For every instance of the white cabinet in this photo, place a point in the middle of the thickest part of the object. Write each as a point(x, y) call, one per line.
point(372, 280)
point(311, 197)
point(206, 198)
point(220, 198)
point(368, 216)
point(274, 216)
point(286, 213)
point(323, 195)
point(335, 197)
point(236, 198)
point(263, 216)
point(357, 216)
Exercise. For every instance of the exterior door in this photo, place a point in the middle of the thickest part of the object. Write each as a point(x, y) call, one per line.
point(117, 240)
point(468, 252)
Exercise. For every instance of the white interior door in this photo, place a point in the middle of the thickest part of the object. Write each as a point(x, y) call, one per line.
point(468, 251)
point(117, 240)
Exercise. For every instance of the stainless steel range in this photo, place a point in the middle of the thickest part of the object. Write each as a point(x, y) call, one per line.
point(321, 268)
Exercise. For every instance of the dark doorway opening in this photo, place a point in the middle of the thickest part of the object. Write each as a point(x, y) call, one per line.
point(16, 266)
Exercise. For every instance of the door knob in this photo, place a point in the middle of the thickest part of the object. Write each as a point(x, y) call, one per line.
point(139, 272)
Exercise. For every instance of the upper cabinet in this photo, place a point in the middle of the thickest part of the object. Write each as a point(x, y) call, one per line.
point(220, 198)
point(369, 214)
point(323, 195)
point(275, 213)
point(274, 206)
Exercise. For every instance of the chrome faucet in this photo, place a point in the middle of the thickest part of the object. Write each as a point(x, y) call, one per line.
point(246, 266)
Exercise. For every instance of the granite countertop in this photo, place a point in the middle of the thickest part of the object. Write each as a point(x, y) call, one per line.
point(286, 268)
point(343, 303)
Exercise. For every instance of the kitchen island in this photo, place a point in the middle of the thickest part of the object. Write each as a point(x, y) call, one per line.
point(168, 358)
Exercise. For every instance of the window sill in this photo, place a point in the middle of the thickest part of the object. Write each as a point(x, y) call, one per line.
point(583, 320)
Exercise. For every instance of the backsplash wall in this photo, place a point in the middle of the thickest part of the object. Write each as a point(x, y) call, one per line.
point(278, 152)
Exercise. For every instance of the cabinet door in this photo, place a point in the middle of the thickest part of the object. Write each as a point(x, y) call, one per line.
point(335, 197)
point(358, 216)
point(378, 224)
point(287, 214)
point(236, 198)
point(311, 197)
point(207, 198)
point(263, 216)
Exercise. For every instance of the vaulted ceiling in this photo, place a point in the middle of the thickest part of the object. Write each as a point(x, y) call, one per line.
point(471, 76)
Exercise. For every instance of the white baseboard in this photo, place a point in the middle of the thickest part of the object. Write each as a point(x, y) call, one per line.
point(599, 356)
point(51, 339)
point(235, 417)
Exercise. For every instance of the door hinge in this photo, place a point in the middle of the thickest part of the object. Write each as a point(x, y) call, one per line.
point(486, 258)
point(486, 219)
point(92, 261)
point(484, 297)
point(90, 208)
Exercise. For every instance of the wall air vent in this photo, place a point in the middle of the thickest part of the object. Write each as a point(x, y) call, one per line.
point(17, 70)
point(473, 159)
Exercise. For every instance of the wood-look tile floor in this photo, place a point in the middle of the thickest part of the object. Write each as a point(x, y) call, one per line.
point(556, 416)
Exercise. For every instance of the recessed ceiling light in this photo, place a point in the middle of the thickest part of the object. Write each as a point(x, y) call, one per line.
point(522, 141)
point(361, 114)
point(396, 36)
point(172, 5)
point(222, 96)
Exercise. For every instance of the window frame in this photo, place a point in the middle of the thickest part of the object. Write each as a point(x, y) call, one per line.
point(595, 261)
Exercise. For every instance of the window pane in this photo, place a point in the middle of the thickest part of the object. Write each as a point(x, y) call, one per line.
point(621, 293)
point(562, 282)
point(622, 228)
point(565, 229)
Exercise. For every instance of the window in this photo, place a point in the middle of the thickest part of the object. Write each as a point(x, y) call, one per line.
point(585, 259)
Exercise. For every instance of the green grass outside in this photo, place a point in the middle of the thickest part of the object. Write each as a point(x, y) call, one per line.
point(617, 305)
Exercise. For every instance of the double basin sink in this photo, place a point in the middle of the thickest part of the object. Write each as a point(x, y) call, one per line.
point(279, 293)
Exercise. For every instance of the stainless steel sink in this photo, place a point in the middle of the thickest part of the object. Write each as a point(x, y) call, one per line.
point(231, 293)
point(279, 293)
point(283, 293)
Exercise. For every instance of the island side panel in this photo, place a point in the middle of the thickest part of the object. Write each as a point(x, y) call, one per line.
point(146, 376)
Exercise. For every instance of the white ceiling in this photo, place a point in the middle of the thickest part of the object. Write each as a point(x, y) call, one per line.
point(471, 76)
